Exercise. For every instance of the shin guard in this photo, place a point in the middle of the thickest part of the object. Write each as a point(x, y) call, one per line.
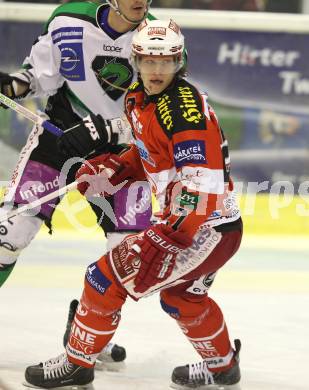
point(203, 324)
point(97, 316)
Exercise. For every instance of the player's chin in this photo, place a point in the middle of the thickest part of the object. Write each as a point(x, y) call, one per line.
point(156, 86)
point(137, 14)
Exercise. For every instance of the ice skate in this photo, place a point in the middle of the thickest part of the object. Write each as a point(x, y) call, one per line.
point(111, 357)
point(58, 373)
point(71, 314)
point(197, 375)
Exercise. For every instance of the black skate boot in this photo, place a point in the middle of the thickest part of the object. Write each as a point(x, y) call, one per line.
point(197, 374)
point(111, 357)
point(58, 373)
point(72, 310)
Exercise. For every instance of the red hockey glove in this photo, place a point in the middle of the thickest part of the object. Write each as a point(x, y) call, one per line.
point(101, 174)
point(157, 250)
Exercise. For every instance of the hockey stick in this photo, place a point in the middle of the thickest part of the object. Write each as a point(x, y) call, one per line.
point(30, 115)
point(38, 202)
point(100, 77)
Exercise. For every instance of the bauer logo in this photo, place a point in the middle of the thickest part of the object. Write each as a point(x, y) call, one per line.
point(96, 279)
point(72, 61)
point(189, 152)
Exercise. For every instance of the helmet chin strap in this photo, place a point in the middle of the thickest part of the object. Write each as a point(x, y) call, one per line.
point(116, 8)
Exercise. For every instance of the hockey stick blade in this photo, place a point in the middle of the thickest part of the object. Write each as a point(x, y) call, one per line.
point(30, 115)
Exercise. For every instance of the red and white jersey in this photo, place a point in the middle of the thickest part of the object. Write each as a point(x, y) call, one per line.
point(184, 155)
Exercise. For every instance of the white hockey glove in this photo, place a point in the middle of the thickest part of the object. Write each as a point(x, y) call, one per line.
point(15, 85)
point(121, 130)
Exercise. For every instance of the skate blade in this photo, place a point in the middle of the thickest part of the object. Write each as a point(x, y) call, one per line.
point(70, 387)
point(101, 365)
point(207, 387)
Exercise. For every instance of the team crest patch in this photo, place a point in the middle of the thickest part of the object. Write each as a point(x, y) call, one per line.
point(114, 74)
point(190, 152)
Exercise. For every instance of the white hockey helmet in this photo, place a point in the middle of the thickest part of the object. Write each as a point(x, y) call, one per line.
point(114, 4)
point(158, 38)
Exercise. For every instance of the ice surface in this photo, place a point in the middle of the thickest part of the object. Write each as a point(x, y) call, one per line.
point(263, 291)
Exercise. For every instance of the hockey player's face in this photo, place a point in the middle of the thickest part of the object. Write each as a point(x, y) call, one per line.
point(133, 9)
point(156, 72)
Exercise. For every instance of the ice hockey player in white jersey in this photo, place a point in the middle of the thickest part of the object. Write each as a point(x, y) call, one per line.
point(81, 63)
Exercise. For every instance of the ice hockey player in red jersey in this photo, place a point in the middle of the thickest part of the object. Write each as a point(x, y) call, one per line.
point(180, 149)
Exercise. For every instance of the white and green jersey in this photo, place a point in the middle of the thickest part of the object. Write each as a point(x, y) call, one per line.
point(75, 54)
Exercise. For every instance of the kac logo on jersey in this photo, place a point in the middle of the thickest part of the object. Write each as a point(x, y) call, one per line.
point(189, 152)
point(96, 279)
point(72, 61)
point(144, 153)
